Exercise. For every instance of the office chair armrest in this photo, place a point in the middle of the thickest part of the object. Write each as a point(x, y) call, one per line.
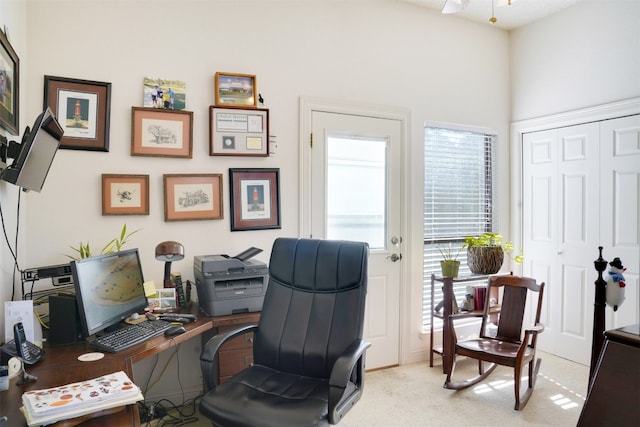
point(210, 353)
point(343, 371)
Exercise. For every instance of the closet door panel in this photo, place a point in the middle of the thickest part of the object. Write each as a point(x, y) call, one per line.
point(540, 195)
point(578, 237)
point(620, 205)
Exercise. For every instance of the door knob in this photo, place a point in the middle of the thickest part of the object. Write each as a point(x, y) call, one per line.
point(395, 257)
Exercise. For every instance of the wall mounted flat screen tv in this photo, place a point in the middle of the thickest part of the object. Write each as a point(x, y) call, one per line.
point(33, 157)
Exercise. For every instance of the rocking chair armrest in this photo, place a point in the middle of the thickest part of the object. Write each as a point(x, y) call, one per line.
point(535, 329)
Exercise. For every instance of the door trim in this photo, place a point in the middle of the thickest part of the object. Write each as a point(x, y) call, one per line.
point(309, 104)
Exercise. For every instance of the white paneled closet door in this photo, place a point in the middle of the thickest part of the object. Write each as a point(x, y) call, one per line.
point(561, 214)
point(619, 209)
point(581, 190)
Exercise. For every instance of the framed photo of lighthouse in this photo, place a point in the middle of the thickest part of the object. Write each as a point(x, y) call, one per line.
point(255, 198)
point(83, 109)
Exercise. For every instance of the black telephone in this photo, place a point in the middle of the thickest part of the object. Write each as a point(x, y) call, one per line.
point(25, 350)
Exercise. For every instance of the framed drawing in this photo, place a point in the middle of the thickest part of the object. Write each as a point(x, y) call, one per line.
point(192, 196)
point(255, 199)
point(83, 108)
point(235, 90)
point(125, 194)
point(165, 133)
point(9, 86)
point(236, 132)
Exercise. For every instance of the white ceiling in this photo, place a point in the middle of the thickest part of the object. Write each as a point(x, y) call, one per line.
point(519, 13)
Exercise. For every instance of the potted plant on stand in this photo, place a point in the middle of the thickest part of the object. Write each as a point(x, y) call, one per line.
point(449, 263)
point(485, 253)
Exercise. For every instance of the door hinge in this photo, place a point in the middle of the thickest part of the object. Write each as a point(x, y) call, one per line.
point(311, 140)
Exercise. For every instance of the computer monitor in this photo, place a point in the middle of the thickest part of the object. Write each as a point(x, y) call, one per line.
point(109, 288)
point(33, 157)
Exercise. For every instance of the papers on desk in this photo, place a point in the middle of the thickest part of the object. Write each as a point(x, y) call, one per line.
point(46, 406)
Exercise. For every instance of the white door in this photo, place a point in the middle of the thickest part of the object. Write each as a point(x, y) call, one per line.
point(581, 190)
point(356, 195)
point(561, 232)
point(620, 210)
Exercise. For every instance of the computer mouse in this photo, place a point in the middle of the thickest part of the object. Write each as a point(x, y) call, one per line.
point(151, 316)
point(174, 330)
point(135, 316)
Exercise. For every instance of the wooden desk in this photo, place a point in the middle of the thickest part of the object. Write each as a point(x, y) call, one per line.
point(614, 392)
point(60, 366)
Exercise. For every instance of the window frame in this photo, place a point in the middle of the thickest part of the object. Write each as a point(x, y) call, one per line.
point(484, 222)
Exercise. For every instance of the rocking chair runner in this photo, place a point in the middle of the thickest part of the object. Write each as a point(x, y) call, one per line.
point(509, 347)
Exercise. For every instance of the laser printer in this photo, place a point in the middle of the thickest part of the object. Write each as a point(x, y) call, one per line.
point(230, 285)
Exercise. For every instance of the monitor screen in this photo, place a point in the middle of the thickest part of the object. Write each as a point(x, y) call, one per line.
point(109, 288)
point(36, 153)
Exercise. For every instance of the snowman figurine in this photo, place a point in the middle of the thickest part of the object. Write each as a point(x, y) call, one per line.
point(615, 284)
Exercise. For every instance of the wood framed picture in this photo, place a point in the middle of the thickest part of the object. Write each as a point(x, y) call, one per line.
point(125, 194)
point(255, 199)
point(238, 132)
point(83, 109)
point(9, 86)
point(235, 90)
point(161, 133)
point(192, 196)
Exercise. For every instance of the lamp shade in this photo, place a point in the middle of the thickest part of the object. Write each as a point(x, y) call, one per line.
point(169, 251)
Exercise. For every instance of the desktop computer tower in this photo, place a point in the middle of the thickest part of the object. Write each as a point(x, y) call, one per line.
point(64, 320)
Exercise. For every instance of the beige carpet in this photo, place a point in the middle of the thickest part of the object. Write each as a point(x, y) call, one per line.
point(412, 395)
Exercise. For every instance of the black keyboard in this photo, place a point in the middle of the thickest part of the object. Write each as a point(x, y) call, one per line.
point(130, 335)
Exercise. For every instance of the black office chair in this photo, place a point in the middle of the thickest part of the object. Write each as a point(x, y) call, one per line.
point(308, 350)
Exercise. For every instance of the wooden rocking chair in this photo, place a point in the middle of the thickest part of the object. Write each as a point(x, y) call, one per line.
point(510, 345)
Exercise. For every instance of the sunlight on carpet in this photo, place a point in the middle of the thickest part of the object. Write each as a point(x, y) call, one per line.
point(413, 395)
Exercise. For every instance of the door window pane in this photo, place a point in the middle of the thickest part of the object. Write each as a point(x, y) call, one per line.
point(357, 189)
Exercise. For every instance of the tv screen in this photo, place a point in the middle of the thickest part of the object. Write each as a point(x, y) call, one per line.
point(109, 288)
point(36, 152)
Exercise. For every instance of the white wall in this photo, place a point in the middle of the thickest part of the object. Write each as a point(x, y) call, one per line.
point(586, 55)
point(381, 52)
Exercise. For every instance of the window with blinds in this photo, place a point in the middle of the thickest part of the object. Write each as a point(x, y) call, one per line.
point(459, 197)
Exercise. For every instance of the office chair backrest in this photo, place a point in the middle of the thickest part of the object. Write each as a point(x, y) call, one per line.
point(314, 305)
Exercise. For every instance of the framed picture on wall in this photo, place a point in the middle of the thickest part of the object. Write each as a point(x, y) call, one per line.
point(83, 108)
point(164, 133)
point(9, 86)
point(238, 132)
point(192, 196)
point(125, 194)
point(255, 199)
point(235, 90)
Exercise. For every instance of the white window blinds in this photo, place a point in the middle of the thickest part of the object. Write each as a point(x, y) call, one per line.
point(459, 183)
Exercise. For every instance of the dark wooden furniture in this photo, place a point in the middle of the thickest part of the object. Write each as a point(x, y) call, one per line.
point(614, 391)
point(446, 350)
point(506, 345)
point(236, 354)
point(61, 366)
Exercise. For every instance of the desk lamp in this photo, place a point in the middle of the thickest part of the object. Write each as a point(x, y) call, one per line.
point(168, 252)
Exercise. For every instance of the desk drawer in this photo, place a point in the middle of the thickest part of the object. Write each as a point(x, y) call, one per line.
point(243, 341)
point(233, 361)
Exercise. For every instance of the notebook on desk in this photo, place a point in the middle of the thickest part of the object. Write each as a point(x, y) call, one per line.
point(46, 406)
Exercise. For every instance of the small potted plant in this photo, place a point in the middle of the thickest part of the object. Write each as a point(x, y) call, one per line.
point(114, 245)
point(449, 263)
point(485, 253)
